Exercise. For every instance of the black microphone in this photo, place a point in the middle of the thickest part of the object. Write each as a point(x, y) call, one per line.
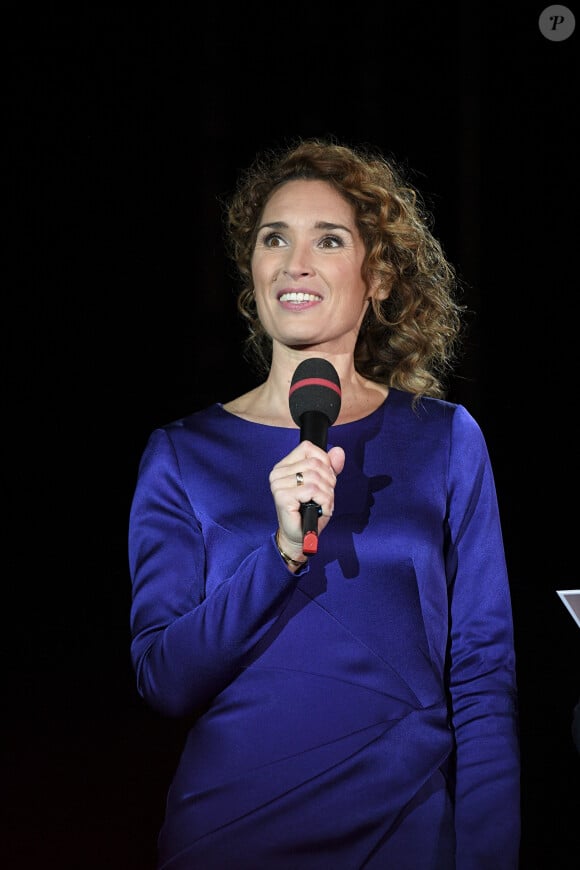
point(314, 398)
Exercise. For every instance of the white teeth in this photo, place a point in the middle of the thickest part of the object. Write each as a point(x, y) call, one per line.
point(299, 297)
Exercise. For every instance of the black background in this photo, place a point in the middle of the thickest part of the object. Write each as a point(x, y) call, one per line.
point(124, 128)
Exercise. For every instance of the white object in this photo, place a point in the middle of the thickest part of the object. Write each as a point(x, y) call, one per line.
point(571, 600)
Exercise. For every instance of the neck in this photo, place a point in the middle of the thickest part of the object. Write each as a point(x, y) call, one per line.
point(359, 396)
point(286, 360)
point(268, 403)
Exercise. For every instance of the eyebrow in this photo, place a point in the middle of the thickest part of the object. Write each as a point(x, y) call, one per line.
point(319, 225)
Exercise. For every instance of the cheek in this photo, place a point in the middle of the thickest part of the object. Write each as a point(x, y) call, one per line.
point(260, 271)
point(353, 287)
point(262, 308)
point(253, 268)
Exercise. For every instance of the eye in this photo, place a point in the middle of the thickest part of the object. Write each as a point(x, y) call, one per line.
point(273, 240)
point(331, 242)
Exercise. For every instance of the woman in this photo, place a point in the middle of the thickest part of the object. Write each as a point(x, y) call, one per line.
point(356, 708)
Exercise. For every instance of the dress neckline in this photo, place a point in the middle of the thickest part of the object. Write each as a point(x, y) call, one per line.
point(343, 426)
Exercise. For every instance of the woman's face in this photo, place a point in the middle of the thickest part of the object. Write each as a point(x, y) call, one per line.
point(307, 268)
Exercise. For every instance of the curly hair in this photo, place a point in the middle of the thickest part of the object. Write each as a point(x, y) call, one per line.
point(408, 340)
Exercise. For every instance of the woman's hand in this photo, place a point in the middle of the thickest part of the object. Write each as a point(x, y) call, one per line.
point(306, 474)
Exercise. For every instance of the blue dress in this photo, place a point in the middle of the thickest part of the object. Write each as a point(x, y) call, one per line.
point(359, 714)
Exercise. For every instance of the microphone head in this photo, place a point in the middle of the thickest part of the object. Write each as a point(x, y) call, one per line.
point(315, 387)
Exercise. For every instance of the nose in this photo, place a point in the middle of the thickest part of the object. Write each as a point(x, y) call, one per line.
point(298, 262)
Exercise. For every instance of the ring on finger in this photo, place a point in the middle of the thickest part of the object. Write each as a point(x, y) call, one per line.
point(299, 478)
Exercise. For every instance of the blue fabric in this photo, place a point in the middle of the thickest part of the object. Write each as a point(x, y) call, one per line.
point(333, 724)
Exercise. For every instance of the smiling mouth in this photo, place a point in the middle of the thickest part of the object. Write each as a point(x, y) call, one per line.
point(299, 297)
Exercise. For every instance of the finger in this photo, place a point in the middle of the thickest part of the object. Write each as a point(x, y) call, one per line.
point(306, 474)
point(289, 498)
point(337, 459)
point(311, 470)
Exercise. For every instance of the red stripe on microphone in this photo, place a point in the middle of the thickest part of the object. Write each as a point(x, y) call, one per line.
point(315, 382)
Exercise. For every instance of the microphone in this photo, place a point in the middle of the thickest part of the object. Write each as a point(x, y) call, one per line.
point(314, 399)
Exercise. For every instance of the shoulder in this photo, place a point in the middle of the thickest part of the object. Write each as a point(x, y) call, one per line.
point(203, 423)
point(435, 421)
point(427, 410)
point(243, 405)
point(189, 443)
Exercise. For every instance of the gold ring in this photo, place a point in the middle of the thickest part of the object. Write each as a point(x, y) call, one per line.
point(299, 478)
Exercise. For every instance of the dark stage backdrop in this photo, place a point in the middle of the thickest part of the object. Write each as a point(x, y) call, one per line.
point(124, 128)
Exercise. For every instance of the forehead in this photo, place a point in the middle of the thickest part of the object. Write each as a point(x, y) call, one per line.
point(313, 199)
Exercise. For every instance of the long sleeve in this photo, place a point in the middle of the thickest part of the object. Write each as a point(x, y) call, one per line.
point(188, 643)
point(481, 662)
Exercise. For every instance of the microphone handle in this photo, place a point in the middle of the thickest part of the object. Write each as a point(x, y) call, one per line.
point(313, 427)
point(310, 513)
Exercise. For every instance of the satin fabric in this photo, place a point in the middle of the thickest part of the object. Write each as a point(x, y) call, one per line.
point(359, 714)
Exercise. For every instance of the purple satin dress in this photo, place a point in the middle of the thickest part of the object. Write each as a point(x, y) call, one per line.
point(362, 713)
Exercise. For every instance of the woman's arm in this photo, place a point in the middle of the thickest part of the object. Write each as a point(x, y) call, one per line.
point(186, 646)
point(481, 661)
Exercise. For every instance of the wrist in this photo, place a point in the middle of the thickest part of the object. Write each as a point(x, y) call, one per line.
point(290, 561)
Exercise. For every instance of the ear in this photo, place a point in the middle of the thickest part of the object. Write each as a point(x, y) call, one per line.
point(379, 288)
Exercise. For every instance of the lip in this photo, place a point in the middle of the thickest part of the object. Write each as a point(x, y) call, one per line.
point(298, 299)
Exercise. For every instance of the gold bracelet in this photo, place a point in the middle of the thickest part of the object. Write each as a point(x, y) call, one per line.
point(286, 557)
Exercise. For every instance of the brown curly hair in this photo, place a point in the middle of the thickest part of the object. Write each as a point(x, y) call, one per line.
point(408, 340)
